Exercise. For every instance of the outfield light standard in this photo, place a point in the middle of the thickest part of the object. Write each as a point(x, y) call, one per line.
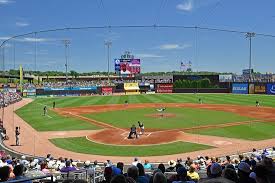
point(66, 45)
point(108, 44)
point(249, 35)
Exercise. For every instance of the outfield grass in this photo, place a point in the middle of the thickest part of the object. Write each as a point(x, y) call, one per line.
point(33, 114)
point(266, 100)
point(252, 131)
point(185, 117)
point(82, 145)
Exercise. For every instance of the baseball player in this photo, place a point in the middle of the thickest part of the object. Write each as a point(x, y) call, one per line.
point(200, 100)
point(141, 126)
point(257, 103)
point(45, 110)
point(17, 133)
point(133, 131)
point(53, 104)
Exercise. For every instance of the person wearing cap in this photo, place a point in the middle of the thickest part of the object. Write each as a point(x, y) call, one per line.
point(172, 164)
point(244, 172)
point(214, 173)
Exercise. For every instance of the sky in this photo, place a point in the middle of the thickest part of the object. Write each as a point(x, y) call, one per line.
point(160, 49)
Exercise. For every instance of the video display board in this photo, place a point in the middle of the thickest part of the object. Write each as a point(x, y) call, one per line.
point(127, 66)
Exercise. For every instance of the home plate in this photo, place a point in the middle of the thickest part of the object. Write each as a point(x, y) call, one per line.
point(220, 142)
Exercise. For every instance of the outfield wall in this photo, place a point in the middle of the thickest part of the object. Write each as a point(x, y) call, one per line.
point(202, 90)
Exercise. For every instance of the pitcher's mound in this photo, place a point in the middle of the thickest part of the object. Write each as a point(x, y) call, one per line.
point(161, 115)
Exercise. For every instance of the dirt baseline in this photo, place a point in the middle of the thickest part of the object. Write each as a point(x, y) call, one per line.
point(118, 136)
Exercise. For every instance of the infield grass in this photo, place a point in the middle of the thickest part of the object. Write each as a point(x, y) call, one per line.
point(253, 131)
point(184, 118)
point(82, 145)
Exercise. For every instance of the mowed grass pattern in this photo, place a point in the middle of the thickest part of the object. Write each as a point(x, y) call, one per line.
point(253, 131)
point(265, 100)
point(33, 114)
point(185, 117)
point(82, 145)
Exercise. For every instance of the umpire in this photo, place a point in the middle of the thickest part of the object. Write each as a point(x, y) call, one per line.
point(133, 131)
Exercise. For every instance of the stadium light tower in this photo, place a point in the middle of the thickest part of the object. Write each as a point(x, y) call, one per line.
point(249, 35)
point(66, 43)
point(108, 44)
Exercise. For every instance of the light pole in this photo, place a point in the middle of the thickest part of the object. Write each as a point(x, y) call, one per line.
point(108, 44)
point(249, 35)
point(66, 44)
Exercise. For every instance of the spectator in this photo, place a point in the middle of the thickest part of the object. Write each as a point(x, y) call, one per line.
point(120, 165)
point(244, 172)
point(181, 176)
point(135, 162)
point(230, 174)
point(193, 175)
point(159, 178)
point(68, 167)
point(147, 165)
point(141, 174)
point(172, 164)
point(18, 172)
point(161, 167)
point(119, 179)
point(133, 172)
point(4, 173)
point(107, 175)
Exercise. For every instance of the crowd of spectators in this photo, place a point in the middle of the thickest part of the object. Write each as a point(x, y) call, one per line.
point(7, 98)
point(254, 167)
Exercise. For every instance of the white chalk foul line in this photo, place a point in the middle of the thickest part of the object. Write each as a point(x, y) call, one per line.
point(48, 116)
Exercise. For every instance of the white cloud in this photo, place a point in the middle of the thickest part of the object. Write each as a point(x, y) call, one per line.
point(31, 39)
point(4, 38)
point(174, 46)
point(146, 55)
point(5, 2)
point(187, 5)
point(39, 52)
point(22, 24)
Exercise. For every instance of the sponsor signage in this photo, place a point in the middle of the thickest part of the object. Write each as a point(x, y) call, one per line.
point(270, 88)
point(165, 88)
point(70, 88)
point(260, 88)
point(225, 78)
point(251, 88)
point(131, 86)
point(107, 90)
point(240, 88)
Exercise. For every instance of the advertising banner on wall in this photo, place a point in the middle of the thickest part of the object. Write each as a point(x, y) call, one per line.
point(106, 90)
point(71, 88)
point(260, 88)
point(240, 88)
point(164, 88)
point(225, 78)
point(131, 86)
point(270, 88)
point(251, 88)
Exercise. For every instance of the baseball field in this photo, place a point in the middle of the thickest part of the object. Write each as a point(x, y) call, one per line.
point(173, 131)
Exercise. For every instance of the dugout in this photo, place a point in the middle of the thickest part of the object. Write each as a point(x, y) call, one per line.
point(131, 88)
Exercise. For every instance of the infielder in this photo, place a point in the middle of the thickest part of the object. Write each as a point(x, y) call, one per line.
point(45, 110)
point(257, 103)
point(141, 126)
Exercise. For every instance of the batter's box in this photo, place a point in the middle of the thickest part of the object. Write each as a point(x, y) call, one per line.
point(146, 134)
